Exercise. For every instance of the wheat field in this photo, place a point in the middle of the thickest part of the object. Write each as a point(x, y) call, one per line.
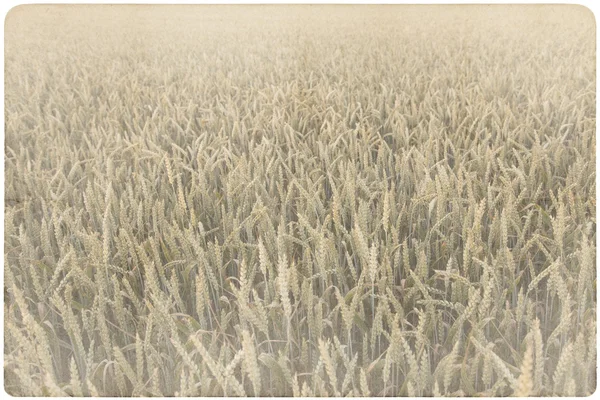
point(318, 201)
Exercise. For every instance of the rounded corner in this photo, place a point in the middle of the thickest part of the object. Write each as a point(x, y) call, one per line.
point(585, 11)
point(15, 11)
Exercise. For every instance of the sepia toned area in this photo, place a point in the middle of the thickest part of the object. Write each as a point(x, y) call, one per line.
point(300, 201)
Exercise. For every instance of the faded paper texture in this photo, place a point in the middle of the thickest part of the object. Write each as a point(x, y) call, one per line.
point(316, 201)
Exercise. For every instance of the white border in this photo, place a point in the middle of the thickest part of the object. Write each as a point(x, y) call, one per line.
point(5, 6)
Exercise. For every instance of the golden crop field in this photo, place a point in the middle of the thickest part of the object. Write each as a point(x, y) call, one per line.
point(300, 201)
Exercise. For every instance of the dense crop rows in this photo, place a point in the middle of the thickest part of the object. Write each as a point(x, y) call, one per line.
point(306, 201)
